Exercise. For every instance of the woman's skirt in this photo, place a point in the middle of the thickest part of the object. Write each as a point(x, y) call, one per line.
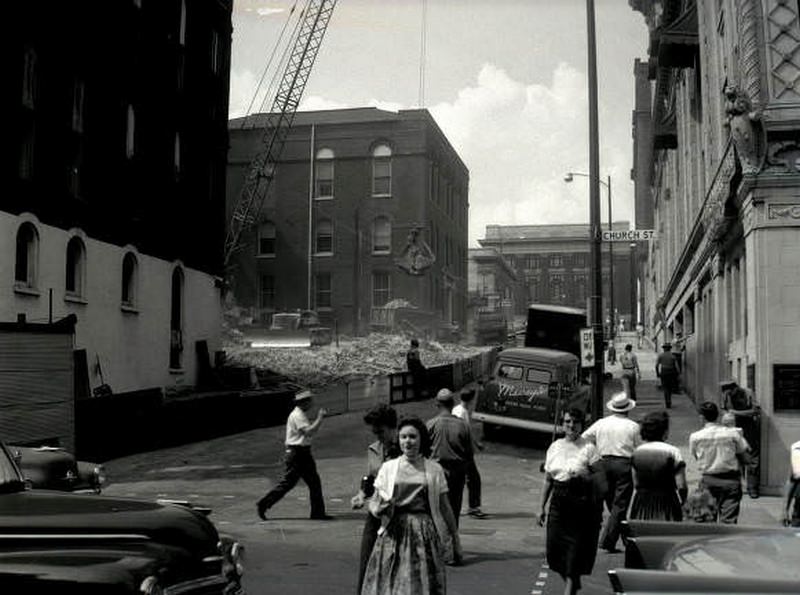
point(656, 505)
point(406, 559)
point(573, 526)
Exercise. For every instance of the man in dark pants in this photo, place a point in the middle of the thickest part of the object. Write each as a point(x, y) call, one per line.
point(720, 453)
point(451, 447)
point(739, 401)
point(299, 461)
point(616, 437)
point(417, 369)
point(464, 411)
point(668, 370)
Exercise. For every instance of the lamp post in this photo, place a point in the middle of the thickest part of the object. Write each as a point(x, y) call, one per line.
point(569, 177)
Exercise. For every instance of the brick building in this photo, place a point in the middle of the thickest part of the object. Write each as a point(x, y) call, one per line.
point(723, 277)
point(378, 176)
point(552, 263)
point(493, 288)
point(113, 200)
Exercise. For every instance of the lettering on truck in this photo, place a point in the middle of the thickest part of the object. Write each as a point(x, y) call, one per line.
point(507, 390)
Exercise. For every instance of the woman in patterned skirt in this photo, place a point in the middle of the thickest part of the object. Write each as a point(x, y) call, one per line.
point(575, 513)
point(659, 473)
point(418, 531)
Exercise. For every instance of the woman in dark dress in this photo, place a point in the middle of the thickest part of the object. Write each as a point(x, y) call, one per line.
point(659, 473)
point(575, 514)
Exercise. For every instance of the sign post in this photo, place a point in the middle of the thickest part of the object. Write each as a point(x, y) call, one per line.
point(587, 348)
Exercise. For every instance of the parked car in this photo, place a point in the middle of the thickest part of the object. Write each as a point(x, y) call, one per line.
point(52, 468)
point(708, 558)
point(54, 542)
point(534, 385)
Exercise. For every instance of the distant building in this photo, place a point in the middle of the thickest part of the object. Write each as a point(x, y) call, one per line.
point(552, 262)
point(493, 288)
point(721, 167)
point(113, 200)
point(378, 177)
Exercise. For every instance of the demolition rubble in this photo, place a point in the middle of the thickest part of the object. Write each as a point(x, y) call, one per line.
point(355, 357)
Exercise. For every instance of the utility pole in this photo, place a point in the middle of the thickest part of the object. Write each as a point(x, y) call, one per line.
point(612, 317)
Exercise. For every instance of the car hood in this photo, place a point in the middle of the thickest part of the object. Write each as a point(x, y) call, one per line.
point(40, 515)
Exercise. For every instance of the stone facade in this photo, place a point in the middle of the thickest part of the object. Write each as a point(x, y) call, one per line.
point(722, 276)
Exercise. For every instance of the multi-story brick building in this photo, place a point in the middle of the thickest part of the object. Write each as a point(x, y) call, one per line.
point(723, 276)
point(113, 199)
point(378, 176)
point(493, 288)
point(552, 262)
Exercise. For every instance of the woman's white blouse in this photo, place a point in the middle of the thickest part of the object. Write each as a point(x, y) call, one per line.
point(566, 459)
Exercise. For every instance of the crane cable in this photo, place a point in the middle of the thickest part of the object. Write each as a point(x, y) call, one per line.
point(267, 66)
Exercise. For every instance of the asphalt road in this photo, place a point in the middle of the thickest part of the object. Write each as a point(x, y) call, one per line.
point(291, 554)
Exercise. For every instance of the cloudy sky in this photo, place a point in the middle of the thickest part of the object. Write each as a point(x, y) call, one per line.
point(505, 80)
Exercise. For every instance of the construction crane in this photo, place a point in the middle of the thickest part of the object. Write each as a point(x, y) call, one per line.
point(313, 23)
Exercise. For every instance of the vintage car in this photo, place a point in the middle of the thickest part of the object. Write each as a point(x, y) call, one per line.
point(708, 558)
point(52, 468)
point(534, 384)
point(55, 542)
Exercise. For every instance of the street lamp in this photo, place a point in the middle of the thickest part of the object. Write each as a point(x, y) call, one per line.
point(569, 177)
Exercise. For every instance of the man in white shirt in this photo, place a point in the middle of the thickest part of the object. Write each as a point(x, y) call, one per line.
point(720, 452)
point(616, 437)
point(299, 461)
point(464, 411)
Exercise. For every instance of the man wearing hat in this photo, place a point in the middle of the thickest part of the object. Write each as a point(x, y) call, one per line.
point(738, 401)
point(451, 447)
point(668, 370)
point(299, 461)
point(616, 437)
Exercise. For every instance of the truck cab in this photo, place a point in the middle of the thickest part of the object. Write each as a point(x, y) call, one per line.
point(533, 386)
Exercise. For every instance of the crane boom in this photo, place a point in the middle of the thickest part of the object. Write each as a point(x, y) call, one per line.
point(314, 22)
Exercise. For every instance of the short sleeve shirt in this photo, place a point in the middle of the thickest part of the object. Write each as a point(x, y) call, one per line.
point(566, 459)
point(615, 435)
point(297, 420)
point(716, 448)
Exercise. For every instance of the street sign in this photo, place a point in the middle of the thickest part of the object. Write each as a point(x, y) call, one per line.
point(587, 348)
point(629, 235)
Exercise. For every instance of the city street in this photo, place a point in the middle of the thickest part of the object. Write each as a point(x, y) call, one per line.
point(291, 554)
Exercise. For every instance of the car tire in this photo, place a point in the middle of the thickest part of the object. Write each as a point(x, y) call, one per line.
point(490, 431)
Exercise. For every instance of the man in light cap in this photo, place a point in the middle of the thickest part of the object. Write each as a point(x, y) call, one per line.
point(616, 437)
point(738, 402)
point(298, 459)
point(451, 447)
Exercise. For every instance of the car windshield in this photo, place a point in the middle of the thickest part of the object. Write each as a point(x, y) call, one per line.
point(773, 554)
point(10, 480)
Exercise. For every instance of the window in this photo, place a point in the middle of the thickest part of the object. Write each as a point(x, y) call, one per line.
point(129, 266)
point(29, 78)
point(76, 266)
point(382, 171)
point(27, 152)
point(324, 237)
point(78, 91)
point(215, 56)
point(75, 172)
point(176, 320)
point(266, 293)
point(510, 372)
point(130, 133)
point(176, 153)
point(381, 289)
point(556, 289)
point(323, 172)
point(27, 255)
point(322, 293)
point(266, 239)
point(381, 236)
point(556, 260)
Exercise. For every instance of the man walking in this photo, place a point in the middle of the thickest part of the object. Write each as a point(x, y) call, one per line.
point(616, 437)
point(298, 460)
point(630, 370)
point(720, 453)
point(667, 370)
point(464, 411)
point(739, 401)
point(451, 447)
point(416, 368)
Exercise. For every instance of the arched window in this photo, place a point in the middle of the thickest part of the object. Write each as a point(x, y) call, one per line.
point(182, 24)
point(25, 269)
point(129, 267)
point(382, 171)
point(76, 267)
point(130, 133)
point(176, 320)
point(323, 174)
point(381, 236)
point(324, 237)
point(176, 152)
point(266, 239)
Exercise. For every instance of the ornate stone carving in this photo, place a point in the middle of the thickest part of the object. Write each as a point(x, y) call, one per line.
point(783, 43)
point(417, 256)
point(783, 157)
point(714, 220)
point(783, 212)
point(747, 132)
point(749, 46)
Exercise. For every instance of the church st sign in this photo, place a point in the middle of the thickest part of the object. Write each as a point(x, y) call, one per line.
point(630, 235)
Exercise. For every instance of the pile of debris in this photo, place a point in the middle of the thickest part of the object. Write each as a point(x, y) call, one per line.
point(355, 357)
